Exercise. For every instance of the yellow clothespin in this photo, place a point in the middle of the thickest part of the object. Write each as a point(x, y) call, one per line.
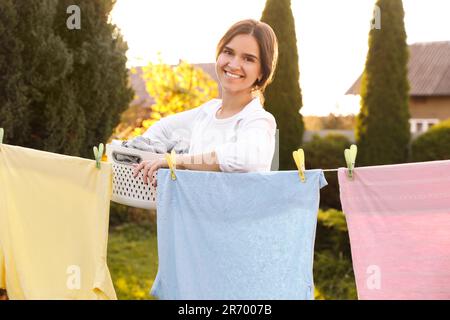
point(299, 158)
point(98, 154)
point(171, 161)
point(1, 135)
point(350, 158)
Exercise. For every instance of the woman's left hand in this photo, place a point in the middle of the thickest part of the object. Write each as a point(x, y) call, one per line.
point(149, 168)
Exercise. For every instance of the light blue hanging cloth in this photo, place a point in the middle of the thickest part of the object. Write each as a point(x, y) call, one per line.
point(236, 236)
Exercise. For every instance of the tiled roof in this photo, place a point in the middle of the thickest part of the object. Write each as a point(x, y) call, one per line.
point(428, 70)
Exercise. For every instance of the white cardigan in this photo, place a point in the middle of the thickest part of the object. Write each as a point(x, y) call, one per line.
point(244, 142)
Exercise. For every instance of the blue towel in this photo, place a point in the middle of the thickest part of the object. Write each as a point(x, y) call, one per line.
point(236, 235)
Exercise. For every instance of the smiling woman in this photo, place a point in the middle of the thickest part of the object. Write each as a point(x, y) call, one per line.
point(235, 133)
point(248, 50)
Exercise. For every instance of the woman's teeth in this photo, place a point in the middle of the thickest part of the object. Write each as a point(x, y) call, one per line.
point(235, 76)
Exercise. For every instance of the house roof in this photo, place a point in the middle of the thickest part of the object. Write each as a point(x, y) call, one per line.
point(428, 70)
point(138, 84)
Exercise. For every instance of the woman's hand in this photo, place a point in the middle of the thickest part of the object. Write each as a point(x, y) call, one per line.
point(149, 168)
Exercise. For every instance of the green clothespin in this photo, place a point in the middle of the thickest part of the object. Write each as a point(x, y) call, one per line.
point(299, 158)
point(350, 158)
point(1, 134)
point(98, 154)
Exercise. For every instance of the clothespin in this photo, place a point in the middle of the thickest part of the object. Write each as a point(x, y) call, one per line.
point(98, 154)
point(299, 158)
point(350, 157)
point(1, 135)
point(171, 161)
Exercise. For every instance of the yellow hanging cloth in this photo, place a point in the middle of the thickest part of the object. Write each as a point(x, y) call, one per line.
point(54, 217)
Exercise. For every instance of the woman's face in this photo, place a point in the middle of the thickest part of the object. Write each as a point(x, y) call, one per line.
point(238, 65)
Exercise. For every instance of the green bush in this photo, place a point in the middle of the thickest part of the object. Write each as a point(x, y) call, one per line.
point(332, 233)
point(327, 153)
point(333, 270)
point(334, 277)
point(121, 214)
point(433, 144)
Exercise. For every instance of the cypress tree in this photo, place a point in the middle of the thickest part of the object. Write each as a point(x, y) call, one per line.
point(13, 102)
point(99, 77)
point(382, 130)
point(61, 90)
point(283, 96)
point(34, 63)
point(41, 61)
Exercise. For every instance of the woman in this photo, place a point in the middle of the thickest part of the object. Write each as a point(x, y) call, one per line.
point(234, 134)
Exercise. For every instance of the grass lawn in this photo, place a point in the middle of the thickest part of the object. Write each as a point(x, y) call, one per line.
point(133, 260)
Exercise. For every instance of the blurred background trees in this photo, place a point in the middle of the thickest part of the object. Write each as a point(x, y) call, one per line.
point(100, 77)
point(174, 88)
point(283, 97)
point(382, 131)
point(65, 89)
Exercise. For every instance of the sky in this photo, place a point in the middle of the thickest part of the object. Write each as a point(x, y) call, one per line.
point(332, 37)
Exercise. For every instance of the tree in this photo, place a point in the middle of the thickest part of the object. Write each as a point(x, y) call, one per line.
point(13, 101)
point(283, 97)
point(99, 77)
point(382, 131)
point(61, 90)
point(174, 89)
point(40, 110)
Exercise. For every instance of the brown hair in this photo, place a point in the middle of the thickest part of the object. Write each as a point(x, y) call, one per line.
point(268, 48)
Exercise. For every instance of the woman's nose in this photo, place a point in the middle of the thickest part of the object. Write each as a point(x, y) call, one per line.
point(234, 64)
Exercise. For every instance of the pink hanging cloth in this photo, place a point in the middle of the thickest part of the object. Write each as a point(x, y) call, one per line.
point(398, 218)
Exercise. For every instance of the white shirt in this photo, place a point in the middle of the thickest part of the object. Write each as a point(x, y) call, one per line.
point(243, 142)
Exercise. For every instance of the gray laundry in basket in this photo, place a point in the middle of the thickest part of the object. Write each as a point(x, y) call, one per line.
point(146, 144)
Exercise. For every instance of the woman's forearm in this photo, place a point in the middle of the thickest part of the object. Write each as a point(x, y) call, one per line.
point(201, 162)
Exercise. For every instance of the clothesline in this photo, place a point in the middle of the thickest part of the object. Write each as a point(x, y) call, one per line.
point(350, 157)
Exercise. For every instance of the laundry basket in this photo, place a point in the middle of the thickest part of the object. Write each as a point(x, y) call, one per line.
point(127, 189)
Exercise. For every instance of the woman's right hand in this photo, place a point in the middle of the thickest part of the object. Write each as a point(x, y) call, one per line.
point(149, 168)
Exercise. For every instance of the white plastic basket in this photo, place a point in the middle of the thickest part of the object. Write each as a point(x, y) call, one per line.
point(127, 189)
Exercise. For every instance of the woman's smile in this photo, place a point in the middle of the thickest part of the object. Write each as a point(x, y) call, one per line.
point(232, 75)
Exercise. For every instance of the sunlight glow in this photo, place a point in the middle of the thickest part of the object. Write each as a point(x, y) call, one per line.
point(332, 37)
